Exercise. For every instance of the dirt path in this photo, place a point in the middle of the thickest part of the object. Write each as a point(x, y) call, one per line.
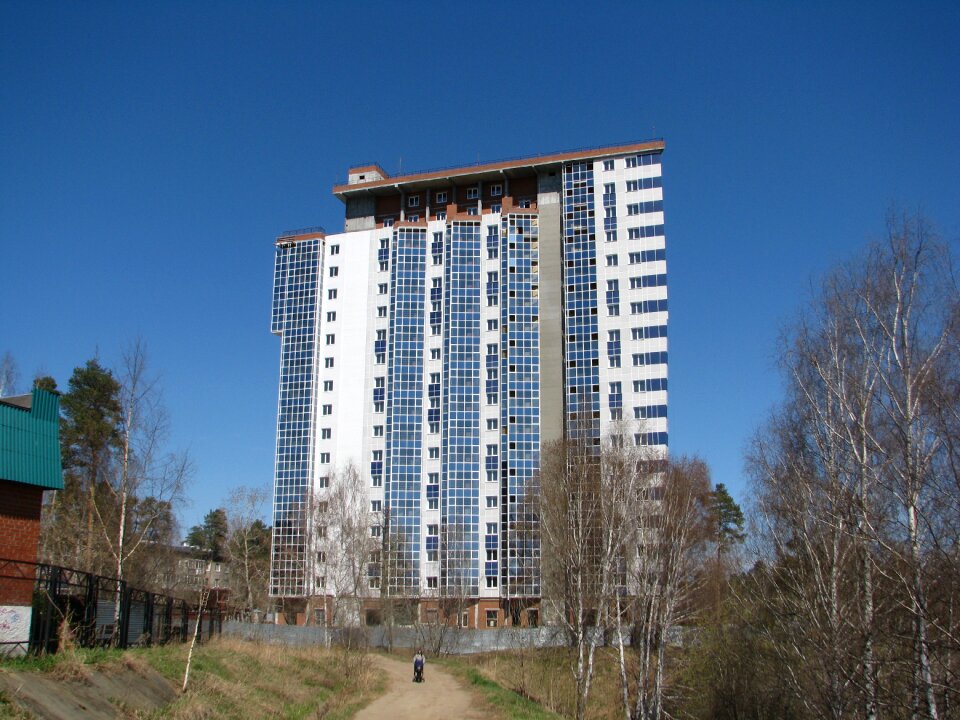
point(439, 697)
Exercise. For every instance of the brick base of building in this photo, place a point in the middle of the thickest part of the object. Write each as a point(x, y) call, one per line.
point(20, 507)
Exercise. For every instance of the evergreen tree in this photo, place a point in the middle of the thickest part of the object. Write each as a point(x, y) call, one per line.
point(727, 518)
point(211, 536)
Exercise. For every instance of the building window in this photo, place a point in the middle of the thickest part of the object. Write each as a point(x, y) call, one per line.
point(433, 503)
point(334, 271)
point(376, 505)
point(431, 555)
point(378, 406)
point(381, 311)
point(496, 190)
point(332, 294)
point(633, 185)
point(378, 430)
point(413, 201)
point(433, 530)
point(388, 222)
point(492, 583)
point(382, 289)
point(491, 501)
point(492, 476)
point(374, 583)
point(326, 433)
point(441, 197)
point(492, 423)
point(331, 339)
point(492, 618)
point(414, 218)
point(472, 193)
point(323, 482)
point(321, 557)
point(612, 260)
point(376, 531)
point(331, 316)
point(524, 204)
point(608, 164)
point(441, 215)
point(432, 581)
point(434, 453)
point(334, 249)
point(325, 457)
point(496, 208)
point(631, 161)
point(328, 362)
point(434, 353)
point(633, 209)
point(492, 324)
point(472, 210)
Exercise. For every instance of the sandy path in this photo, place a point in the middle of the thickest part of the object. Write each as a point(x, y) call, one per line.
point(439, 697)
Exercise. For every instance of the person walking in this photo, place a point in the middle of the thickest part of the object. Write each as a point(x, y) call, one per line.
point(418, 662)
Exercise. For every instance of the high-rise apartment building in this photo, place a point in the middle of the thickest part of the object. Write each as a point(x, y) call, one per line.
point(463, 318)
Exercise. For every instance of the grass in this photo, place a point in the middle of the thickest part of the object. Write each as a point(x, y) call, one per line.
point(230, 679)
point(236, 679)
point(508, 703)
point(543, 680)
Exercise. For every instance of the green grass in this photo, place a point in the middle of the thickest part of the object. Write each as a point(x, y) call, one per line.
point(47, 663)
point(511, 705)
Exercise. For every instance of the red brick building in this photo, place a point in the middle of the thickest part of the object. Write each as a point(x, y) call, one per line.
point(29, 465)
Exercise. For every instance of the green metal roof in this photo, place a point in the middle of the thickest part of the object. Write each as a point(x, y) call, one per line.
point(30, 440)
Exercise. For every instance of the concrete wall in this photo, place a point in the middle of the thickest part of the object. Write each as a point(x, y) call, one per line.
point(449, 640)
point(551, 309)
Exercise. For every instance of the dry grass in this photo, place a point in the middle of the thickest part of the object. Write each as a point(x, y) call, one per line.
point(545, 677)
point(236, 679)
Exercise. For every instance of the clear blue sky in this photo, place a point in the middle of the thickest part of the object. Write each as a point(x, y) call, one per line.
point(151, 152)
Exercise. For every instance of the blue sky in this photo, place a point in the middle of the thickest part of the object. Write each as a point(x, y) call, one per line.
point(150, 153)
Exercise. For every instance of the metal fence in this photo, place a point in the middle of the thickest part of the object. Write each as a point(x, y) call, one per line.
point(57, 597)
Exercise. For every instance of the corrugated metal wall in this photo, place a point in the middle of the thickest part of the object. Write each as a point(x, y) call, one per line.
point(30, 442)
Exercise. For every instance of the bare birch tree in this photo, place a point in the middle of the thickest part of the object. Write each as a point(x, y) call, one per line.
point(142, 470)
point(589, 510)
point(248, 547)
point(854, 480)
point(8, 375)
point(349, 544)
point(665, 576)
